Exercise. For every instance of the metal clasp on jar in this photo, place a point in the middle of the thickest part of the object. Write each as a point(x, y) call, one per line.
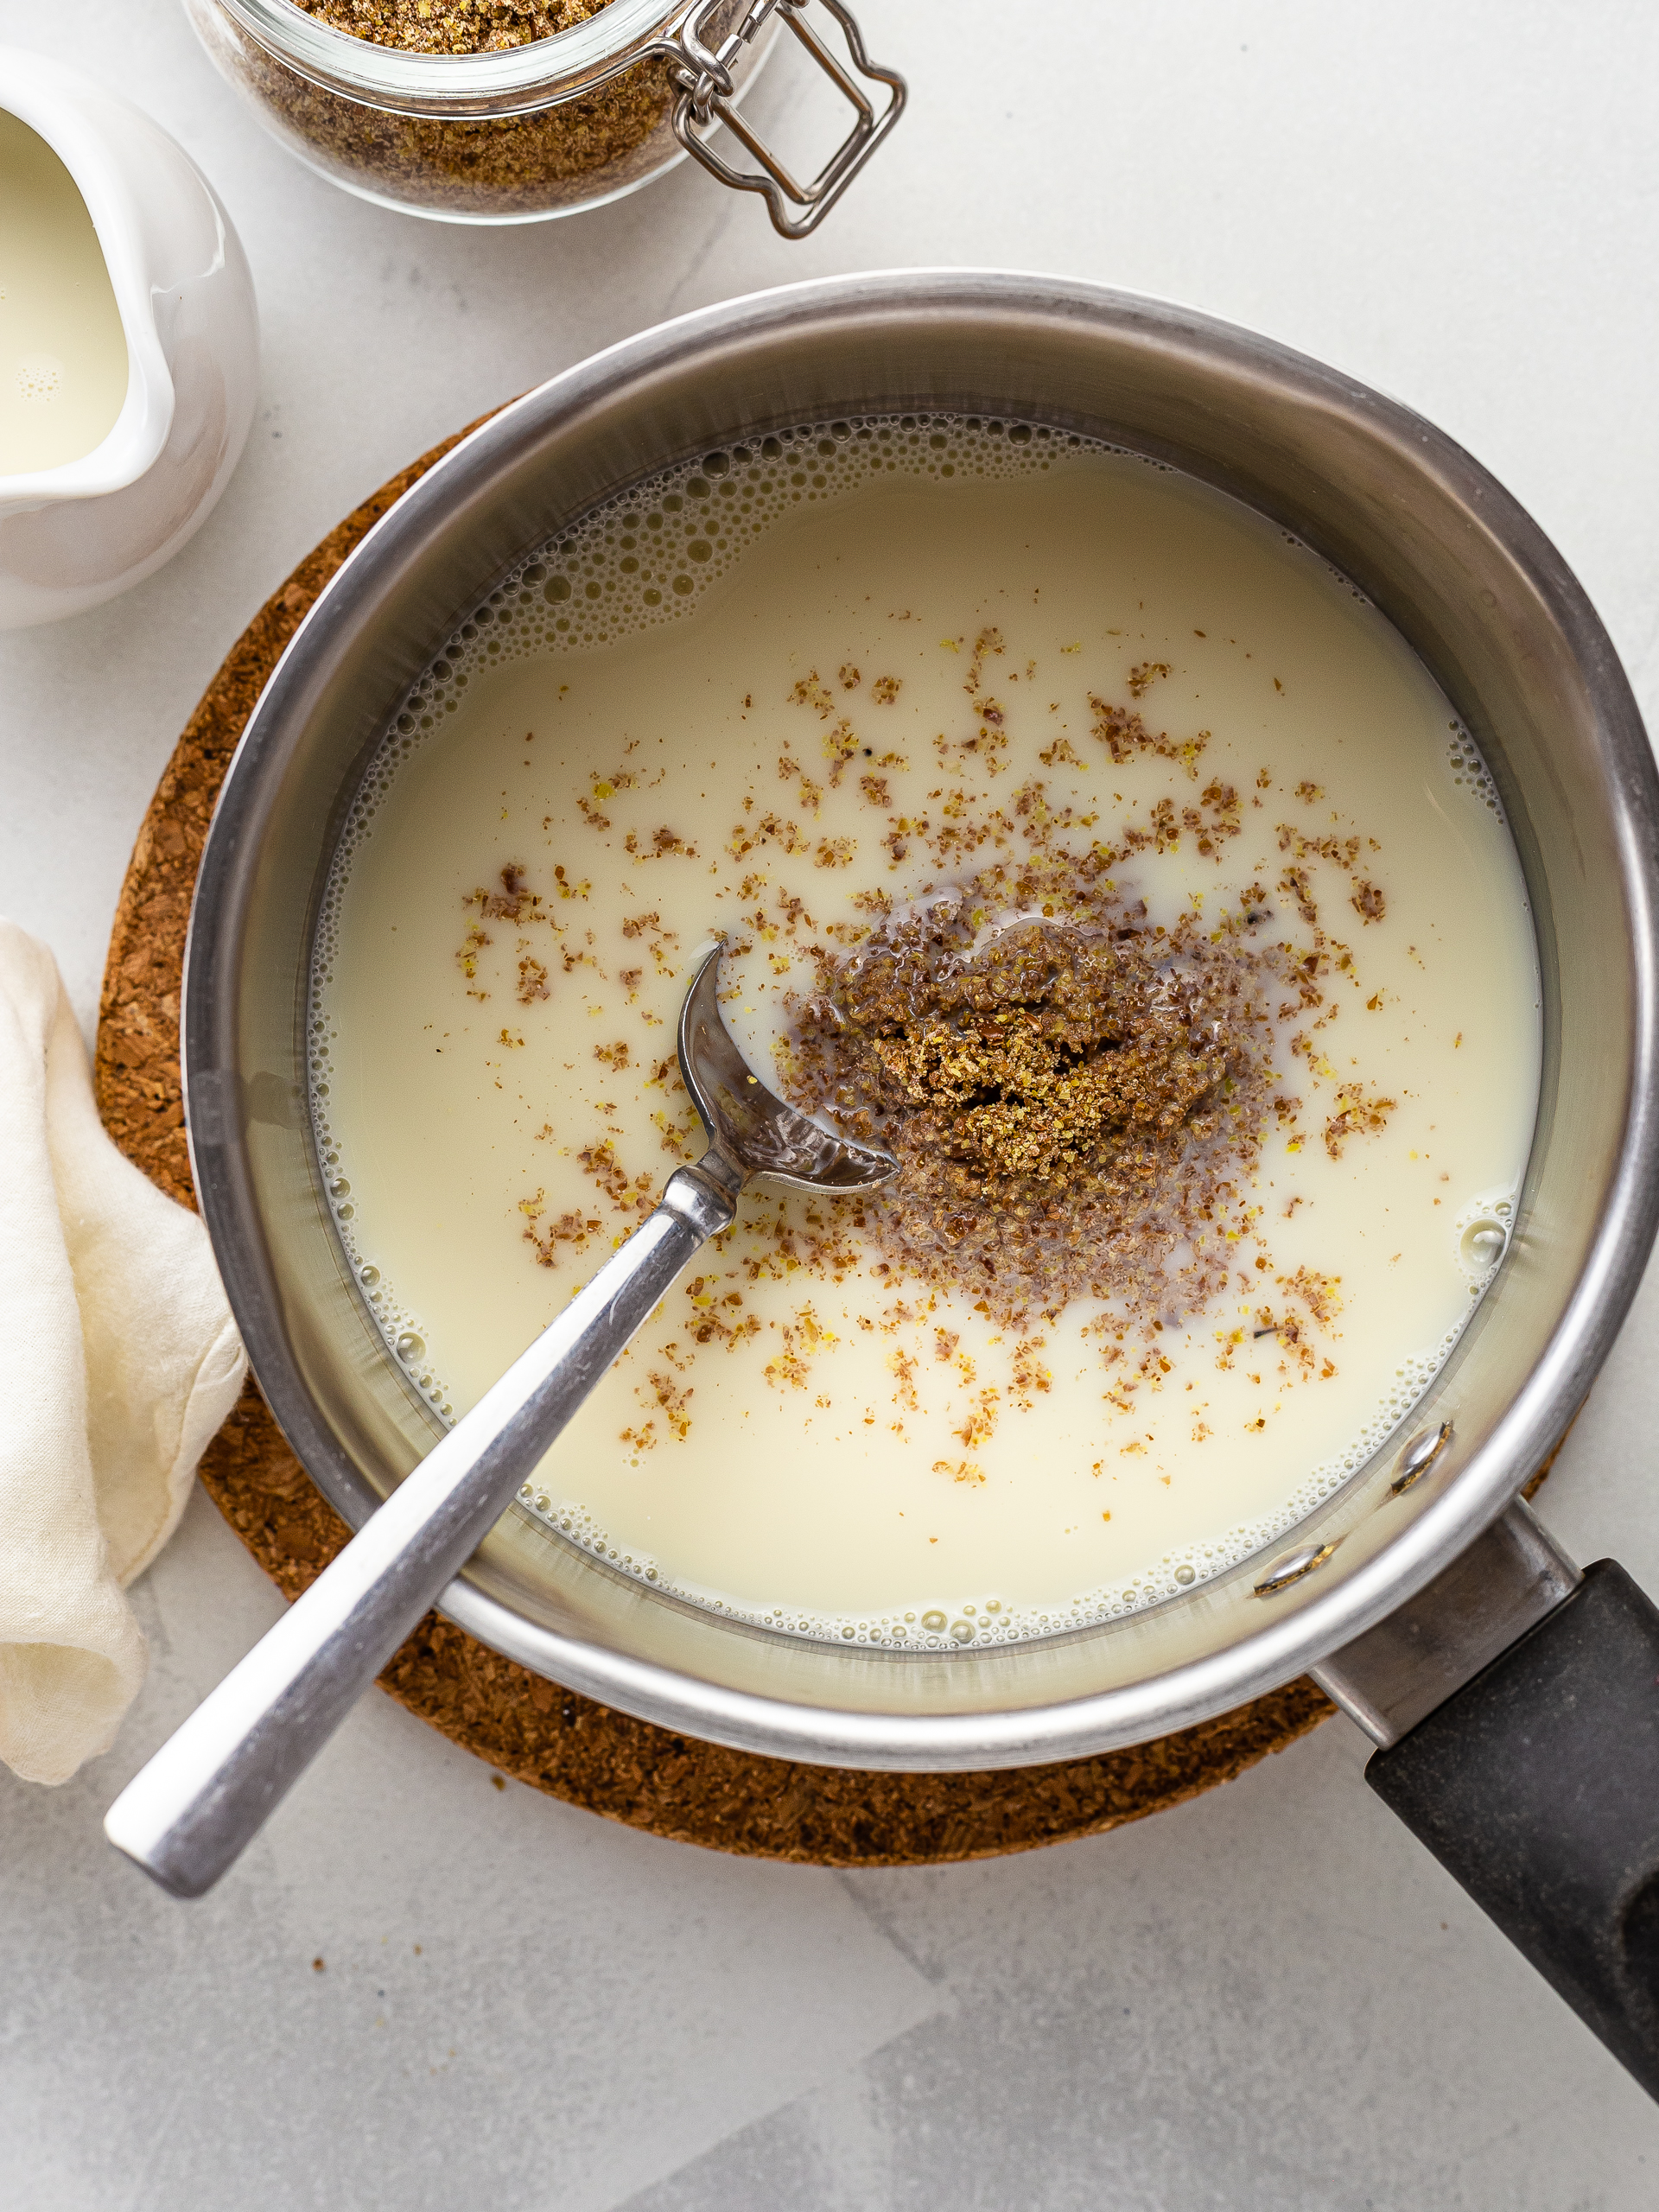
point(704, 74)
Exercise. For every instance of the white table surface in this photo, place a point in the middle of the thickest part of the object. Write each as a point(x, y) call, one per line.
point(1271, 1997)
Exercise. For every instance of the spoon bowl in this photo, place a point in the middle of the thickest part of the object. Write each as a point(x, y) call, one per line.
point(749, 1125)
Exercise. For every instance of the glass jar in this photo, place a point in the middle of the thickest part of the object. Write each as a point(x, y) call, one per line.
point(524, 133)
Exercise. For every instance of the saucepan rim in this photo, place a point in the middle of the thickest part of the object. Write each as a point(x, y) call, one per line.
point(1317, 1620)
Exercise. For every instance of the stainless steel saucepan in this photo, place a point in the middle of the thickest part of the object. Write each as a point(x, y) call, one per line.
point(1515, 1700)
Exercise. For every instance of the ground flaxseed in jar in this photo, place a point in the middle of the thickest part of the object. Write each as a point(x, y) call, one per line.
point(572, 151)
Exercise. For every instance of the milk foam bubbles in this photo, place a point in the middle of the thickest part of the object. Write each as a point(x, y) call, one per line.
point(776, 692)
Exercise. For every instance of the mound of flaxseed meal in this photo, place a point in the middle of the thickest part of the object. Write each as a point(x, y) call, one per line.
point(1079, 1099)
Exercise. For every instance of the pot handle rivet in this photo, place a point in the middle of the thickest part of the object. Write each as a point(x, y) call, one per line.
point(1291, 1566)
point(1418, 1456)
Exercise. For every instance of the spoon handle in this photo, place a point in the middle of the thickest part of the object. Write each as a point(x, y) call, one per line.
point(206, 1793)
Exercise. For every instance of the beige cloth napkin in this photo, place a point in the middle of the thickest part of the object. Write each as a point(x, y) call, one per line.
point(124, 1362)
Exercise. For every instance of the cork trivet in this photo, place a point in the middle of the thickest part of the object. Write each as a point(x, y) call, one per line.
point(524, 1725)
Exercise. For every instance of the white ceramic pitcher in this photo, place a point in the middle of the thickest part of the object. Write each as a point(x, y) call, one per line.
point(75, 535)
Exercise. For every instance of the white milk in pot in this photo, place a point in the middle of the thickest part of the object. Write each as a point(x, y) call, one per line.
point(1092, 841)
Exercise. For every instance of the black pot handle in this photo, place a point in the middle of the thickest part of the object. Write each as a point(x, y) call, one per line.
point(1536, 1786)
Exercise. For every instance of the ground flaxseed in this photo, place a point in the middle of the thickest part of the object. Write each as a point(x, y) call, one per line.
point(451, 26)
point(567, 153)
point(1077, 1098)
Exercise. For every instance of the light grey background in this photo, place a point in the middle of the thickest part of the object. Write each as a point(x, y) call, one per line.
point(1268, 1997)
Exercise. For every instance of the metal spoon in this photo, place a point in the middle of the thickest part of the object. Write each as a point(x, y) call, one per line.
point(186, 1817)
